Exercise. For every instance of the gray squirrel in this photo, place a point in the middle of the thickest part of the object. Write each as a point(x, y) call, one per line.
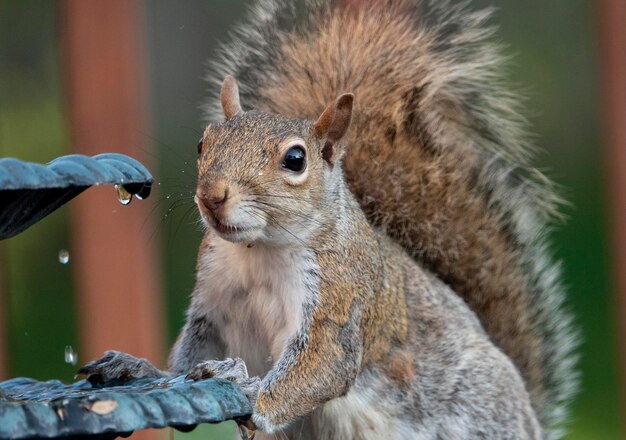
point(374, 262)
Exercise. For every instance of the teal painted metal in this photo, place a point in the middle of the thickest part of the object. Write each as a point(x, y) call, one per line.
point(31, 191)
point(32, 409)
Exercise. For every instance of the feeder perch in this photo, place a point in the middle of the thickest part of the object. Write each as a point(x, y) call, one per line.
point(31, 409)
point(31, 191)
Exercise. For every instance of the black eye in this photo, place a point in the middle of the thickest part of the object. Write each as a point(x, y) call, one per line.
point(295, 159)
point(200, 146)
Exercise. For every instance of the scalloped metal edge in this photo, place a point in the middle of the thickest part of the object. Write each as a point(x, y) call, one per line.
point(70, 412)
point(72, 170)
point(30, 191)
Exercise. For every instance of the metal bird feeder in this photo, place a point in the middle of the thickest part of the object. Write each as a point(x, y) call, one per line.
point(31, 409)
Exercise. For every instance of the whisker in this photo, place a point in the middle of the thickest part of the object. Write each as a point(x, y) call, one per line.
point(287, 210)
point(175, 205)
point(170, 148)
point(182, 219)
point(277, 223)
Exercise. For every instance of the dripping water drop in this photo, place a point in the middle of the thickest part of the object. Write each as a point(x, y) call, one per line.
point(123, 196)
point(64, 256)
point(70, 355)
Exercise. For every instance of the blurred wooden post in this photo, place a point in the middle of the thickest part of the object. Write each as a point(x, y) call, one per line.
point(113, 253)
point(612, 26)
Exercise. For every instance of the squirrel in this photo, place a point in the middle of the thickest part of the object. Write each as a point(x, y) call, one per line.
point(374, 263)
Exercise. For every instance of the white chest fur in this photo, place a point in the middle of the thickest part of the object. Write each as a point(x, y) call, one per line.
point(255, 296)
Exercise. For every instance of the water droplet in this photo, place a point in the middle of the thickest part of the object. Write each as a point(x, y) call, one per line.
point(70, 355)
point(64, 256)
point(123, 196)
point(140, 190)
point(25, 333)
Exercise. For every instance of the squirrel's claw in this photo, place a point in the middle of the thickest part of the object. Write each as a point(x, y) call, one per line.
point(229, 369)
point(115, 365)
point(247, 429)
point(234, 370)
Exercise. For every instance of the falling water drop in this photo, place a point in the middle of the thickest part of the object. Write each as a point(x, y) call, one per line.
point(64, 256)
point(123, 196)
point(70, 355)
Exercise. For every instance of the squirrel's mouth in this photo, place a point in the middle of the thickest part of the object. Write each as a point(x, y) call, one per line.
point(227, 230)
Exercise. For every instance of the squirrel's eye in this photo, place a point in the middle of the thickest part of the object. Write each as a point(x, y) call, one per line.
point(200, 146)
point(295, 159)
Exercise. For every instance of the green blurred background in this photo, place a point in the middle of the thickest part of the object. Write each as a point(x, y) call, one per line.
point(555, 64)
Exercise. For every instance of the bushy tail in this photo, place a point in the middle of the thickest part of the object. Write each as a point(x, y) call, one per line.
point(437, 156)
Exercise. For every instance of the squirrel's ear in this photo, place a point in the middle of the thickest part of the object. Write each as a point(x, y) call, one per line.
point(333, 124)
point(229, 95)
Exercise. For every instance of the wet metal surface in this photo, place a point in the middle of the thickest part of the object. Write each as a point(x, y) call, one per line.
point(31, 191)
point(33, 409)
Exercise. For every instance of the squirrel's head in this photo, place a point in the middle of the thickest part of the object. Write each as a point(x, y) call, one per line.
point(269, 178)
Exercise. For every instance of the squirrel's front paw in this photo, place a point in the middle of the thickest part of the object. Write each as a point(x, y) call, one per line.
point(233, 370)
point(115, 365)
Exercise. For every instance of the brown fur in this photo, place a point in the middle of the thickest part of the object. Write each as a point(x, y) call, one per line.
point(401, 367)
point(363, 341)
point(416, 167)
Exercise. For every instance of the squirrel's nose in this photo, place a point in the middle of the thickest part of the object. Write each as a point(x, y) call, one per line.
point(214, 200)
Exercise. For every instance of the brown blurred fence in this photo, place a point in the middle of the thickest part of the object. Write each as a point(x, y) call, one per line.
point(114, 248)
point(612, 26)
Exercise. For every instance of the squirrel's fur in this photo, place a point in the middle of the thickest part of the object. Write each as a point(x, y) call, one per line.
point(437, 155)
point(399, 285)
